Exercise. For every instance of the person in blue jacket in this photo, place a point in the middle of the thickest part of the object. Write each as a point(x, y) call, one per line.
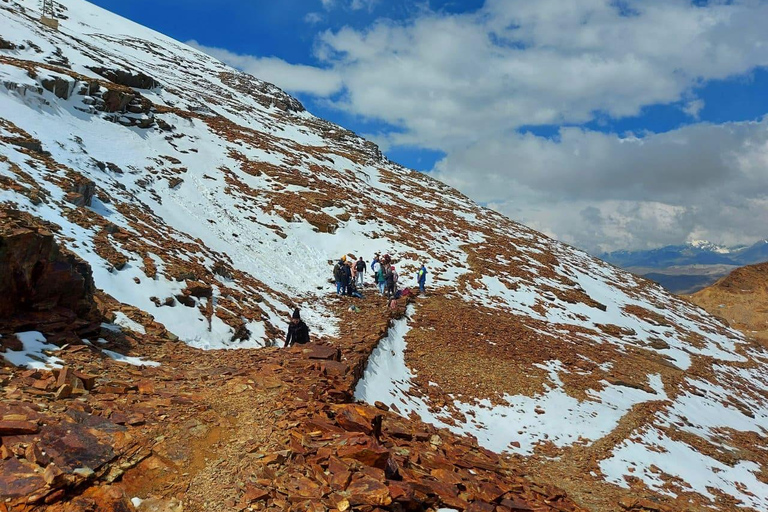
point(421, 277)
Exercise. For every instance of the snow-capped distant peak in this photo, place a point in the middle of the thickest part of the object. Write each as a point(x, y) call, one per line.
point(706, 245)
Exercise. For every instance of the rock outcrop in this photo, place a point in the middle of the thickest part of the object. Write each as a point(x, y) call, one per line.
point(42, 286)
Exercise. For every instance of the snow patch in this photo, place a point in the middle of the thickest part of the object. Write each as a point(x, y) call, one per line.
point(32, 355)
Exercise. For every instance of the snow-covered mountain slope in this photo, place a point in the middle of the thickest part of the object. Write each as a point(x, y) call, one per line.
point(215, 203)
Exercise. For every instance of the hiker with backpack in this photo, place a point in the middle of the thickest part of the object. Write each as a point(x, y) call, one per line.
point(421, 278)
point(298, 332)
point(381, 277)
point(337, 276)
point(391, 281)
point(346, 277)
point(360, 268)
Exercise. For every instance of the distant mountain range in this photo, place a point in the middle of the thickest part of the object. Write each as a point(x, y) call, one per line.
point(690, 267)
point(699, 252)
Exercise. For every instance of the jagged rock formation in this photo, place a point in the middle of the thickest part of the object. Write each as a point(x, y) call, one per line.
point(741, 299)
point(209, 204)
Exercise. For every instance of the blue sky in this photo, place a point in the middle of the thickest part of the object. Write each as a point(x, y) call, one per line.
point(606, 124)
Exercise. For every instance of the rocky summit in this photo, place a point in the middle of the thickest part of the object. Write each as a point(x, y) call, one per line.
point(160, 209)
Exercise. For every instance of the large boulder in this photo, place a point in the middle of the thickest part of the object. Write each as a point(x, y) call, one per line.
point(41, 283)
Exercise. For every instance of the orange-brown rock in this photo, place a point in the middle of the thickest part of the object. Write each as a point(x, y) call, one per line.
point(18, 428)
point(367, 491)
point(366, 450)
point(354, 419)
point(199, 289)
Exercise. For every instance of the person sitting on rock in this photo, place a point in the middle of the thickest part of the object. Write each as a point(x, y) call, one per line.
point(298, 332)
point(354, 291)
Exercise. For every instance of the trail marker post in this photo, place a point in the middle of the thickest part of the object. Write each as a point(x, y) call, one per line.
point(48, 17)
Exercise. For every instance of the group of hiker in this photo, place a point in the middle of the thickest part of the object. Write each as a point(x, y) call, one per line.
point(349, 276)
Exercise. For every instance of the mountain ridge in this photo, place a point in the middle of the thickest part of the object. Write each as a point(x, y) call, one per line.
point(699, 252)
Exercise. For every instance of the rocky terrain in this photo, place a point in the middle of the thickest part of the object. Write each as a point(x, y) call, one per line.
point(740, 298)
point(171, 428)
point(161, 209)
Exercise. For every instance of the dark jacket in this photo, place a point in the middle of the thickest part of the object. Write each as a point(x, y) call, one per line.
point(337, 272)
point(297, 333)
point(345, 274)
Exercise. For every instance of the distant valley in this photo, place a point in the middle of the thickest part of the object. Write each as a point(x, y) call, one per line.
point(690, 267)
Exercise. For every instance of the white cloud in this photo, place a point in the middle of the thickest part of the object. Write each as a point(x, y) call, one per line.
point(368, 5)
point(313, 18)
point(693, 108)
point(445, 79)
point(291, 77)
point(355, 5)
point(604, 192)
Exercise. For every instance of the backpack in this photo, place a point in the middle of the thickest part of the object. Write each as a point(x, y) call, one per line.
point(360, 266)
point(337, 272)
point(394, 276)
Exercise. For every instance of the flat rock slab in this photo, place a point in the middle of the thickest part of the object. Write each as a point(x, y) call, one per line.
point(18, 428)
point(73, 446)
point(18, 479)
point(326, 352)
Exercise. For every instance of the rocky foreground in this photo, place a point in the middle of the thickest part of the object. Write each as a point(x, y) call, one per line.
point(269, 429)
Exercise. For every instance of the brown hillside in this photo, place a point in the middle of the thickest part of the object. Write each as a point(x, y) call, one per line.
point(740, 298)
